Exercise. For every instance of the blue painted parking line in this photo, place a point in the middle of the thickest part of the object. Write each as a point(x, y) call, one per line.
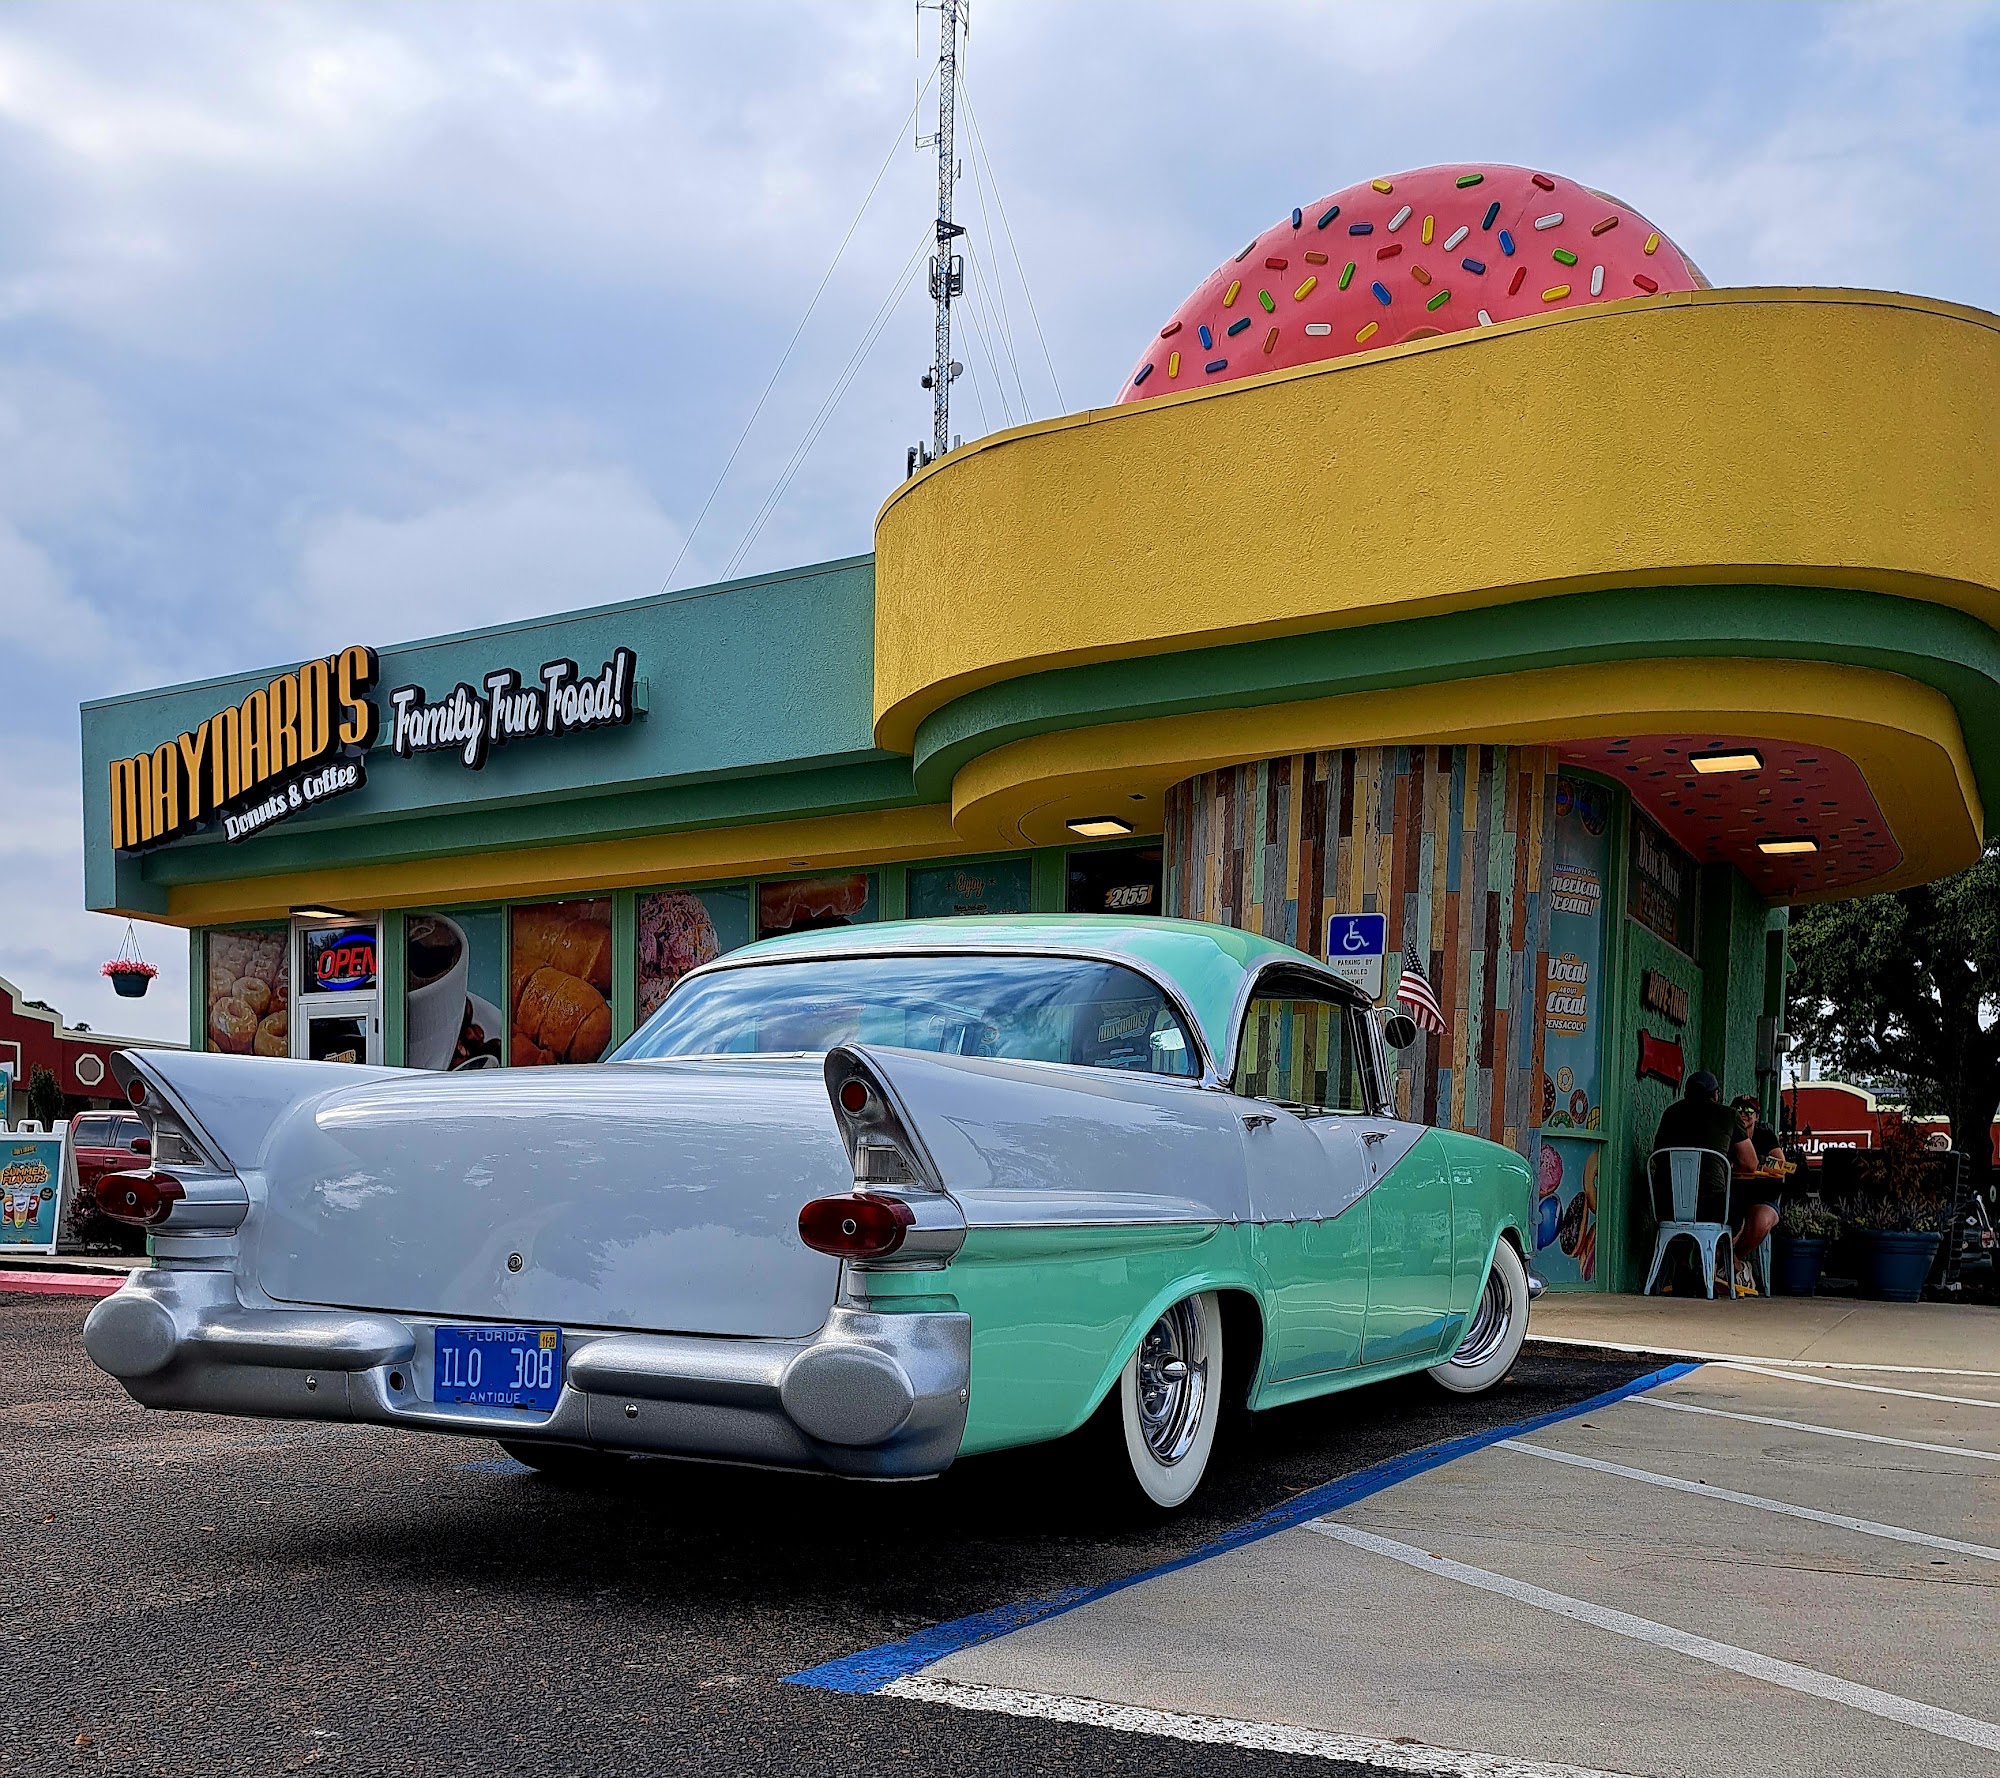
point(873, 1668)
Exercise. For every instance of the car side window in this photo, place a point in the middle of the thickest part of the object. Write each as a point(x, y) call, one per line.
point(1298, 1049)
point(91, 1132)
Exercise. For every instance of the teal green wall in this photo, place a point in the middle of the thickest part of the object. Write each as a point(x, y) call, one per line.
point(759, 700)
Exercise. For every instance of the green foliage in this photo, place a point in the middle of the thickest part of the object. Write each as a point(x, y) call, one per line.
point(1905, 988)
point(1918, 1213)
point(1807, 1219)
point(45, 1097)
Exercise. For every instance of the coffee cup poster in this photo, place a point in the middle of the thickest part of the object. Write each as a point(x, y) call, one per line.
point(454, 968)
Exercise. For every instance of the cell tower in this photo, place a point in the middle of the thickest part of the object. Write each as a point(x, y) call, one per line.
point(947, 267)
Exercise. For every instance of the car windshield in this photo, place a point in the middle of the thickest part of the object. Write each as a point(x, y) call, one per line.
point(1038, 1009)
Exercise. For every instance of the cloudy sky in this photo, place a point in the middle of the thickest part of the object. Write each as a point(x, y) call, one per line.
point(323, 320)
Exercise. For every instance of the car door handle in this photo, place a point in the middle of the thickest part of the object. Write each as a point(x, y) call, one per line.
point(1253, 1120)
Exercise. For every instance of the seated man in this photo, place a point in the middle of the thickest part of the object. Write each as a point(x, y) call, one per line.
point(1755, 1191)
point(1699, 1119)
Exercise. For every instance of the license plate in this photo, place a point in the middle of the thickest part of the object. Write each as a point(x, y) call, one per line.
point(498, 1367)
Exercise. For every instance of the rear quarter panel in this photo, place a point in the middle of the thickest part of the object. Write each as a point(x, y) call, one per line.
point(1492, 1193)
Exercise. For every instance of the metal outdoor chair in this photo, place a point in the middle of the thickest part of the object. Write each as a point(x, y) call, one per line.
point(1691, 1198)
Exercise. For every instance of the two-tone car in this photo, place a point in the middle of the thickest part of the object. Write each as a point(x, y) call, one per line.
point(865, 1200)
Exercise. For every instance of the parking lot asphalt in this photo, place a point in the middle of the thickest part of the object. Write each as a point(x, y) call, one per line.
point(185, 1594)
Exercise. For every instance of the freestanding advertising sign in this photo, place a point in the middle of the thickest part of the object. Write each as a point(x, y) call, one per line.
point(31, 1173)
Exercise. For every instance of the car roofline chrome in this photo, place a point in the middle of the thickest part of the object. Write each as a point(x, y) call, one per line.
point(1209, 1075)
point(1253, 975)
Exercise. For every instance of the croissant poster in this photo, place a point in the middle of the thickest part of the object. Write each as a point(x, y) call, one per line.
point(560, 982)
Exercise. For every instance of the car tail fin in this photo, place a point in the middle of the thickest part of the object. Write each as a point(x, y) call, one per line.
point(885, 1150)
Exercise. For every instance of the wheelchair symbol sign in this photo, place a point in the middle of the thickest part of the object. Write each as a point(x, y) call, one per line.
point(1354, 946)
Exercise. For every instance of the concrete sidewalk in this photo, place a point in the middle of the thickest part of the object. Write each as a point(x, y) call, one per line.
point(66, 1274)
point(1837, 1333)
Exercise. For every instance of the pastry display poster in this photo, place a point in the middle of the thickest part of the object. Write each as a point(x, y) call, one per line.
point(810, 904)
point(247, 992)
point(681, 929)
point(453, 965)
point(1004, 886)
point(559, 992)
point(1572, 984)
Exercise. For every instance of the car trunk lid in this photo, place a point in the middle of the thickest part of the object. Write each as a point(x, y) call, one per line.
point(657, 1195)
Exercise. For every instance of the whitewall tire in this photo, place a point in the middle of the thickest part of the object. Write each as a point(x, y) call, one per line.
point(1169, 1398)
point(1493, 1336)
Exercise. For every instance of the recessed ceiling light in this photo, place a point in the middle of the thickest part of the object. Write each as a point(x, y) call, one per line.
point(1098, 827)
point(1781, 848)
point(1732, 759)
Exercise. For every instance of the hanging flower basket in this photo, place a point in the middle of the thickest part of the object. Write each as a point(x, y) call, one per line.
point(131, 975)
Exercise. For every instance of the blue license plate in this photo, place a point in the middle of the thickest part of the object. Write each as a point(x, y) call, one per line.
point(498, 1367)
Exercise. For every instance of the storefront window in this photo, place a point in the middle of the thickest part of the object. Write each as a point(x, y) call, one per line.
point(452, 1010)
point(561, 987)
point(1120, 880)
point(809, 904)
point(681, 929)
point(1572, 1008)
point(248, 992)
point(1005, 886)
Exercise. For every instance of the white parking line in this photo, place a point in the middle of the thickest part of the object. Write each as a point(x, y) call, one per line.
point(1789, 1376)
point(1866, 1438)
point(1868, 1527)
point(1659, 1349)
point(1946, 1724)
point(1229, 1731)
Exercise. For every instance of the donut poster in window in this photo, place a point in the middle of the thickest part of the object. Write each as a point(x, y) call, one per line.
point(247, 991)
point(560, 988)
point(681, 929)
point(810, 904)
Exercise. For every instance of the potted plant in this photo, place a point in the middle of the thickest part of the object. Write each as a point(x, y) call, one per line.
point(1898, 1230)
point(131, 975)
point(1805, 1229)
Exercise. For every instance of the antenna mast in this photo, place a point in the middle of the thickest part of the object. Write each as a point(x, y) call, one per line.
point(947, 267)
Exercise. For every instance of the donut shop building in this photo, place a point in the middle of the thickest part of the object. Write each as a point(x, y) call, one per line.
point(1511, 602)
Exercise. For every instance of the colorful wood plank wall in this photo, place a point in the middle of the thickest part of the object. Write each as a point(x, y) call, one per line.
point(1448, 842)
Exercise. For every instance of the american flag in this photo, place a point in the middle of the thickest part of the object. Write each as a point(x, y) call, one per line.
point(1414, 995)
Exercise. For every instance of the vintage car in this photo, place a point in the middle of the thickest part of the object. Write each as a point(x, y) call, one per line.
point(863, 1200)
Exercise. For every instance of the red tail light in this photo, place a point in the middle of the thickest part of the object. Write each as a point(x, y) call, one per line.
point(138, 1197)
point(862, 1225)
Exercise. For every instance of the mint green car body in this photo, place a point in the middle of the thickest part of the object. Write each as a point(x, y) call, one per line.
point(1385, 1286)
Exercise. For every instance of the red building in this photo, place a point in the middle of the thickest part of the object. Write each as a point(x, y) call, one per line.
point(1833, 1114)
point(34, 1036)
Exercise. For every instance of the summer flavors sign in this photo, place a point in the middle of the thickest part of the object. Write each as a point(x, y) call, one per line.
point(299, 741)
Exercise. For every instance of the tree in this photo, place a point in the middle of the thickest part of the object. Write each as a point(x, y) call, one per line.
point(1906, 988)
point(45, 1098)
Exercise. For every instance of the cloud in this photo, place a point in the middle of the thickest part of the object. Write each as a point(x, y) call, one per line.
point(520, 548)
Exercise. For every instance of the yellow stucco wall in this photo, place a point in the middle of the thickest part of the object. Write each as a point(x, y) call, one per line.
point(1828, 438)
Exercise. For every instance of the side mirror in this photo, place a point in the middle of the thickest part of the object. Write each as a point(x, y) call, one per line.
point(142, 1145)
point(1399, 1030)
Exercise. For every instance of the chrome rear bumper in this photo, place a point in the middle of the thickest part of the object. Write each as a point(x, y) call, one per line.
point(867, 1395)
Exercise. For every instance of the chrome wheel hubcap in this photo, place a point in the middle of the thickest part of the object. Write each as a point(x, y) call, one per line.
point(1490, 1322)
point(1173, 1383)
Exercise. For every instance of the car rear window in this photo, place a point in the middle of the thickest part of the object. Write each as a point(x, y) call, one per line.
point(1042, 1009)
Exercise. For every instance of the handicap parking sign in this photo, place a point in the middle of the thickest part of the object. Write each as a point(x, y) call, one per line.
point(1354, 945)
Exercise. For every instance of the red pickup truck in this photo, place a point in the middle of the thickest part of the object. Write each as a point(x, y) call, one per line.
point(105, 1142)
